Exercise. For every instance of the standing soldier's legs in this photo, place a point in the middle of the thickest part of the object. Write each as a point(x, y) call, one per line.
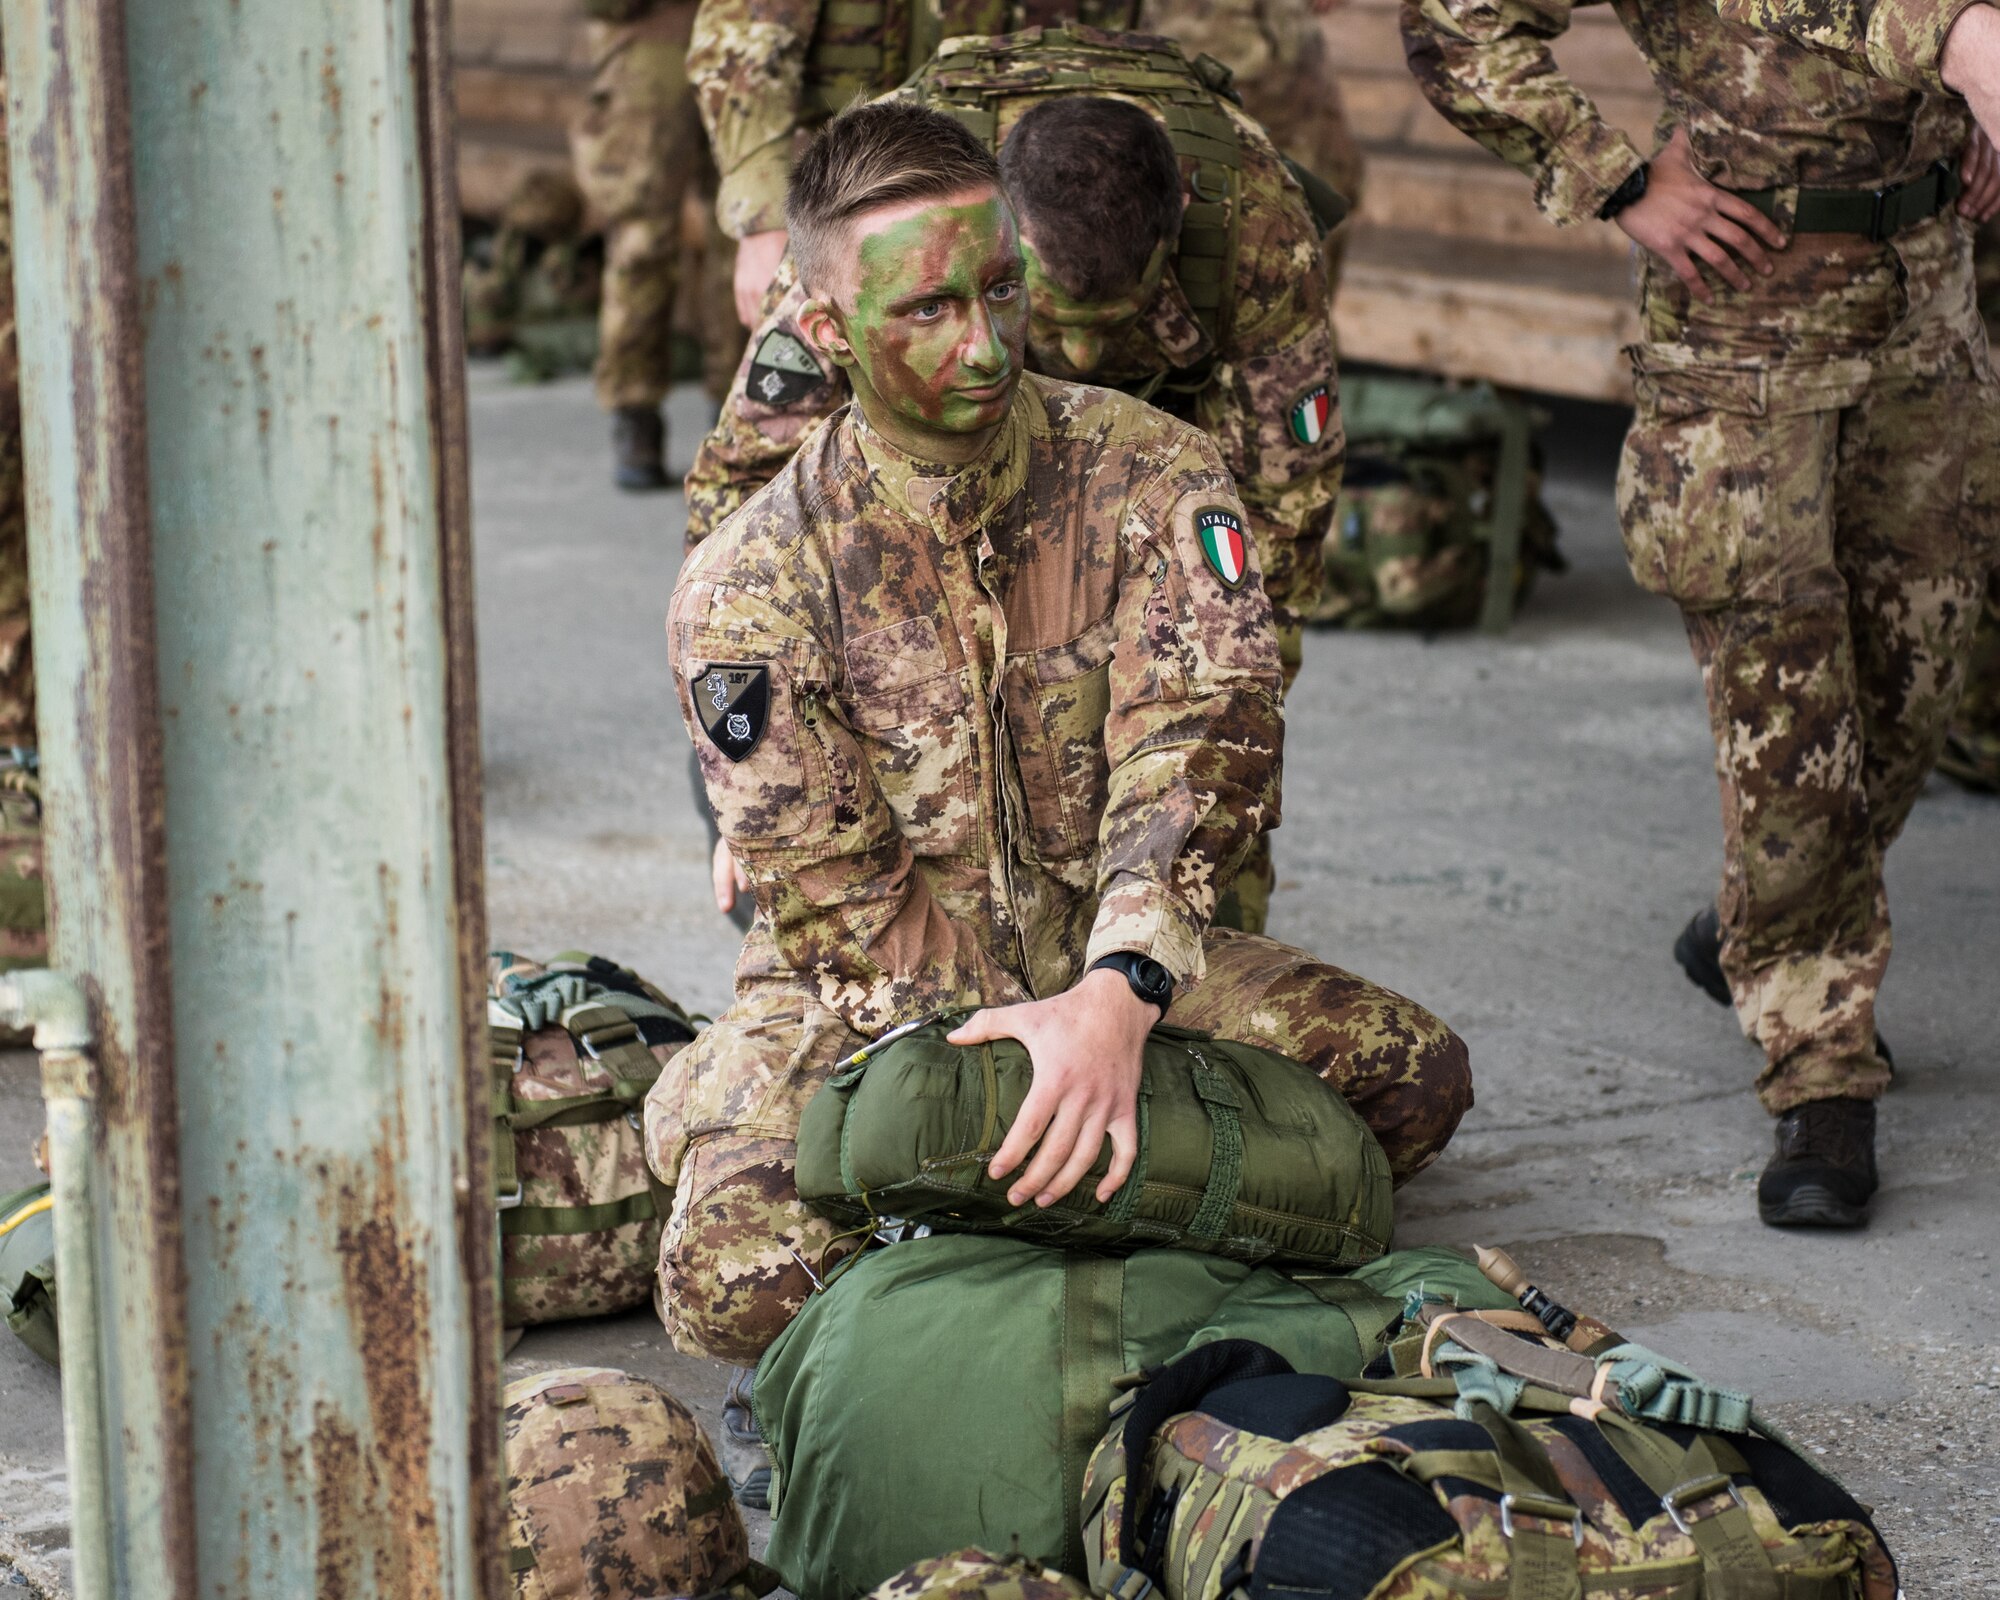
point(722, 335)
point(1972, 748)
point(1401, 1069)
point(638, 145)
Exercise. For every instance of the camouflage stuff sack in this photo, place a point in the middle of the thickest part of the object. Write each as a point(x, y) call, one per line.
point(613, 1493)
point(24, 939)
point(1440, 522)
point(575, 1046)
point(1242, 1152)
point(975, 1575)
point(28, 1270)
point(1546, 1473)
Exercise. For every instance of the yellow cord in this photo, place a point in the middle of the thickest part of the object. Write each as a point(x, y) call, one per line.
point(26, 1212)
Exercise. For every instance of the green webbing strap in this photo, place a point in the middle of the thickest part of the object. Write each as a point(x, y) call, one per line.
point(577, 1110)
point(1696, 1489)
point(546, 1220)
point(1543, 1528)
point(1093, 1349)
point(1658, 1390)
point(1509, 516)
point(520, 1560)
point(1876, 214)
point(1225, 1156)
point(503, 1049)
point(1371, 1313)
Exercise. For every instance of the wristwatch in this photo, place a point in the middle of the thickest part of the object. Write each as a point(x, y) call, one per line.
point(1628, 193)
point(1150, 981)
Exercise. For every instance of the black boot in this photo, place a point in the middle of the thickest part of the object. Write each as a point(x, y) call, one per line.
point(639, 449)
point(1823, 1170)
point(745, 1460)
point(1699, 951)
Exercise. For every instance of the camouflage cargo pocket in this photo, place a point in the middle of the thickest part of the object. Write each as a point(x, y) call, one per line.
point(909, 708)
point(1058, 700)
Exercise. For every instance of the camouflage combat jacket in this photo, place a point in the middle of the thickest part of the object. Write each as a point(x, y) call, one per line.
point(767, 72)
point(968, 733)
point(1896, 39)
point(1761, 112)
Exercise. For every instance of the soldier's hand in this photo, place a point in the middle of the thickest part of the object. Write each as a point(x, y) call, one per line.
point(1087, 1045)
point(726, 878)
point(1981, 171)
point(1685, 220)
point(757, 258)
point(1970, 65)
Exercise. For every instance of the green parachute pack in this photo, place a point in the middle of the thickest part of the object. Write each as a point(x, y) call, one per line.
point(575, 1043)
point(947, 1391)
point(28, 1269)
point(1440, 522)
point(1242, 1153)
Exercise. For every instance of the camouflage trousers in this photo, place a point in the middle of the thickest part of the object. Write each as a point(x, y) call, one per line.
point(740, 1254)
point(641, 157)
point(1973, 753)
point(1813, 474)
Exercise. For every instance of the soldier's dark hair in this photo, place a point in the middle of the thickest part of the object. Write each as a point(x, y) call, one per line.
point(870, 156)
point(1097, 186)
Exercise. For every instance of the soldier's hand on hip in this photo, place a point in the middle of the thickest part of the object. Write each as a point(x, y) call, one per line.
point(726, 878)
point(1686, 220)
point(1970, 65)
point(1980, 169)
point(1087, 1045)
point(757, 258)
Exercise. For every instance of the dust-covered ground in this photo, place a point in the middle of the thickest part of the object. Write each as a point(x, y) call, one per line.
point(1509, 830)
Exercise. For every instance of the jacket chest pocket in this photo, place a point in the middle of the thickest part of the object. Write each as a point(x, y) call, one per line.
point(909, 710)
point(1058, 700)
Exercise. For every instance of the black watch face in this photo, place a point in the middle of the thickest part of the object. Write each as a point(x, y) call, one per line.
point(1155, 982)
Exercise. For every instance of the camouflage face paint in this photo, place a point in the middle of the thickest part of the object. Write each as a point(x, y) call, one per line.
point(936, 323)
point(1092, 341)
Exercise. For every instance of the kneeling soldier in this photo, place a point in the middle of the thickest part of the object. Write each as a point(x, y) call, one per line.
point(986, 696)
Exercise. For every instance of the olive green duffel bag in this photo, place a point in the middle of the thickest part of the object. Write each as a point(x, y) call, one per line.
point(28, 1270)
point(1242, 1153)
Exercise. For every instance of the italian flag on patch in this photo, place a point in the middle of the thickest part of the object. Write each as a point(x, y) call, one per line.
point(1223, 544)
point(1309, 414)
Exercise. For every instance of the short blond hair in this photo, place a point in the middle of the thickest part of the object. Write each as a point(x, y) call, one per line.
point(875, 155)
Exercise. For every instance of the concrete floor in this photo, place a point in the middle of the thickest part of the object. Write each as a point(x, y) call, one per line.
point(1510, 830)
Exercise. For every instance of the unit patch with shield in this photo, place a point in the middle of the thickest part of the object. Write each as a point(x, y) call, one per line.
point(1310, 413)
point(733, 703)
point(783, 372)
point(1223, 544)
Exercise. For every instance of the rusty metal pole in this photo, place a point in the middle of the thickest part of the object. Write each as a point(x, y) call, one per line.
point(236, 257)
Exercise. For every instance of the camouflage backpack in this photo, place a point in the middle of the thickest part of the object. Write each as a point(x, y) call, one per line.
point(613, 1493)
point(532, 286)
point(1503, 1464)
point(575, 1046)
point(1440, 522)
point(28, 1269)
point(975, 1575)
point(24, 939)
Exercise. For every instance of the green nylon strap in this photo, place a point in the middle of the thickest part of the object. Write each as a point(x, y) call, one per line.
point(1093, 1348)
point(1509, 518)
point(546, 1221)
point(1877, 214)
point(1542, 1561)
point(578, 1110)
point(1225, 1158)
point(520, 1560)
point(1695, 1488)
point(851, 14)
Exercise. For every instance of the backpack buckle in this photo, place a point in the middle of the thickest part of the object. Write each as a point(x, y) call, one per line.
point(1680, 1499)
point(507, 1202)
point(1539, 1510)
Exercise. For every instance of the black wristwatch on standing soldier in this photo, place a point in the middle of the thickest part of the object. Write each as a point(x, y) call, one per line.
point(1150, 981)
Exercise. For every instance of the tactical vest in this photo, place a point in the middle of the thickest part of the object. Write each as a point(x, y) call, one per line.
point(974, 76)
point(862, 48)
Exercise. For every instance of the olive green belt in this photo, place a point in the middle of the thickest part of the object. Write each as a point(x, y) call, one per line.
point(1876, 214)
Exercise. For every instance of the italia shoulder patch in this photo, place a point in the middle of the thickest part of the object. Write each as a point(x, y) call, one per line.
point(734, 705)
point(1223, 544)
point(783, 372)
point(1311, 413)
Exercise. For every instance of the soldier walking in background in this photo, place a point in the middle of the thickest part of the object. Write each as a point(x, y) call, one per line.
point(1813, 475)
point(639, 151)
point(768, 73)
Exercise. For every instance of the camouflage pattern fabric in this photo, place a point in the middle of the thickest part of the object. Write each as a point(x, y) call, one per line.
point(1814, 476)
point(613, 1493)
point(760, 71)
point(911, 850)
point(1900, 40)
point(975, 1575)
point(1760, 111)
point(24, 939)
point(581, 1234)
point(1972, 748)
point(639, 154)
point(1264, 389)
point(1278, 61)
point(539, 268)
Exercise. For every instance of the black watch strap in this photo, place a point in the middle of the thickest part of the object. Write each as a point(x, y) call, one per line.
point(1630, 192)
point(1150, 981)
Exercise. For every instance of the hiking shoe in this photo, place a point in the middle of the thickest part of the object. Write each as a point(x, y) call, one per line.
point(1699, 951)
point(745, 1460)
point(639, 449)
point(1823, 1170)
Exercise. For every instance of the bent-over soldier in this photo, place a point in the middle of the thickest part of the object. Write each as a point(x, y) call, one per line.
point(986, 696)
point(1813, 476)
